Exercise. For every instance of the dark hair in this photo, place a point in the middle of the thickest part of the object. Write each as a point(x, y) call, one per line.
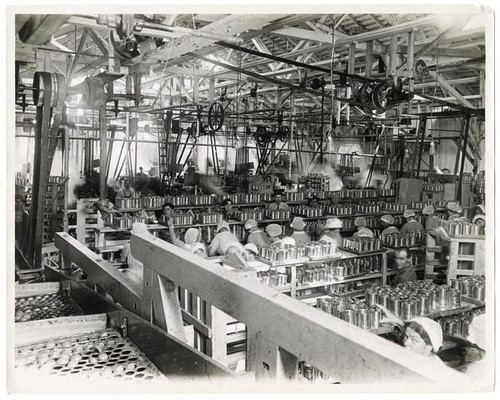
point(167, 204)
point(311, 199)
point(419, 330)
point(225, 202)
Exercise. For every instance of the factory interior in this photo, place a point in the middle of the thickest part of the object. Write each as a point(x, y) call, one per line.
point(290, 199)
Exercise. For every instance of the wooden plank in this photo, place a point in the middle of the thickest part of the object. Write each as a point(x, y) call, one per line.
point(197, 324)
point(274, 363)
point(47, 329)
point(353, 354)
point(36, 289)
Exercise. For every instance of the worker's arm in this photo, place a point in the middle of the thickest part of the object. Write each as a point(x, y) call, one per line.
point(173, 237)
point(390, 317)
point(214, 246)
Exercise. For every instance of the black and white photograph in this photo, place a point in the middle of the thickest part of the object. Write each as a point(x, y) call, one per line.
point(253, 198)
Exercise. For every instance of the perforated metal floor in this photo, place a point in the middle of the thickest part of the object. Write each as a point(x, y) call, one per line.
point(53, 305)
point(103, 353)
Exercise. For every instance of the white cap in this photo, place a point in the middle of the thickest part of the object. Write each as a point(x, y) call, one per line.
point(433, 329)
point(223, 224)
point(251, 247)
point(298, 223)
point(250, 224)
point(333, 223)
point(287, 240)
point(273, 230)
point(191, 236)
point(389, 219)
point(453, 207)
point(409, 213)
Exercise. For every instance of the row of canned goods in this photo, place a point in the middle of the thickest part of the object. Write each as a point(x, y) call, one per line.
point(462, 228)
point(127, 222)
point(401, 207)
point(404, 240)
point(355, 312)
point(184, 219)
point(356, 193)
point(367, 208)
point(290, 253)
point(294, 196)
point(337, 270)
point(362, 244)
point(245, 215)
point(209, 218)
point(470, 286)
point(340, 210)
point(456, 325)
point(279, 214)
point(419, 205)
point(434, 187)
point(208, 232)
point(198, 200)
point(308, 212)
point(272, 279)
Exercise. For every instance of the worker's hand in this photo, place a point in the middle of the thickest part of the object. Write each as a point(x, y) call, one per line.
point(389, 318)
point(170, 223)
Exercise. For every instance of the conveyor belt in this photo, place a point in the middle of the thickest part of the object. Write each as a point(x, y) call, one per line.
point(103, 353)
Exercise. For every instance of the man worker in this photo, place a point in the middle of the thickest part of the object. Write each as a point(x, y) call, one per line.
point(256, 235)
point(278, 204)
point(404, 270)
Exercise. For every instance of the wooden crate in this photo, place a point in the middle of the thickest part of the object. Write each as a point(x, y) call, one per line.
point(87, 218)
point(467, 257)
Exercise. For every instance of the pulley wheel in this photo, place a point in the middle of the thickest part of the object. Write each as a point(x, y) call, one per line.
point(216, 116)
point(379, 96)
point(48, 84)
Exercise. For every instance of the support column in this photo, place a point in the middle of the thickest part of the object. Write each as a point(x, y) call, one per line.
point(103, 153)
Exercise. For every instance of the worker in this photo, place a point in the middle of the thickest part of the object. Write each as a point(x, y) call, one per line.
point(141, 173)
point(228, 209)
point(313, 201)
point(192, 239)
point(278, 204)
point(199, 249)
point(405, 272)
point(256, 235)
point(477, 336)
point(363, 231)
point(455, 212)
point(421, 335)
point(307, 188)
point(411, 225)
point(331, 232)
point(223, 240)
point(250, 251)
point(431, 221)
point(287, 241)
point(274, 232)
point(167, 212)
point(388, 225)
point(300, 236)
point(126, 192)
point(479, 220)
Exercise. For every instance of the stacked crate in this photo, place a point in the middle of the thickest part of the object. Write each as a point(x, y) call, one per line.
point(53, 208)
point(87, 219)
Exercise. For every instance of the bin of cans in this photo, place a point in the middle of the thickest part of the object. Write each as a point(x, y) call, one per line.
point(279, 214)
point(362, 245)
point(209, 218)
point(458, 325)
point(462, 228)
point(397, 240)
point(471, 286)
point(413, 299)
point(245, 215)
point(290, 253)
point(354, 311)
point(272, 279)
point(340, 210)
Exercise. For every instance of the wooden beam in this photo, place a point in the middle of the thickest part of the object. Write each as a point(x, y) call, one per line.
point(369, 59)
point(450, 89)
point(304, 34)
point(352, 354)
point(99, 41)
point(39, 28)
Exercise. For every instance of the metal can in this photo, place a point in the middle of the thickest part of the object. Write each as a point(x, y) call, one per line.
point(363, 320)
point(456, 298)
point(349, 316)
point(395, 305)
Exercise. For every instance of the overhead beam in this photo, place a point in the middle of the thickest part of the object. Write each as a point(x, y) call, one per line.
point(99, 41)
point(39, 28)
point(450, 89)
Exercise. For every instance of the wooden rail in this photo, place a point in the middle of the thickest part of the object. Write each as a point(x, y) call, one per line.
point(282, 330)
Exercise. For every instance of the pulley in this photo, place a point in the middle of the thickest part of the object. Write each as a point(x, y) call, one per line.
point(216, 116)
point(48, 84)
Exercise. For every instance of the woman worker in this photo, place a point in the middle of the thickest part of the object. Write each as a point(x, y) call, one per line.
point(256, 235)
point(363, 231)
point(300, 236)
point(331, 232)
point(388, 225)
point(412, 225)
point(421, 335)
point(223, 240)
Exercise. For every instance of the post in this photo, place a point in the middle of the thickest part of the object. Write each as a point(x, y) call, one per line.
point(103, 151)
point(350, 70)
point(65, 155)
point(369, 57)
point(462, 163)
point(410, 61)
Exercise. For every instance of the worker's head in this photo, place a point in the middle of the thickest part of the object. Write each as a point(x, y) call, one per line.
point(278, 197)
point(308, 183)
point(250, 251)
point(409, 215)
point(333, 224)
point(233, 250)
point(273, 230)
point(360, 222)
point(479, 220)
point(453, 209)
point(168, 209)
point(19, 201)
point(250, 225)
point(423, 335)
point(198, 249)
point(223, 226)
point(126, 184)
point(191, 236)
point(288, 241)
point(298, 224)
point(313, 201)
point(140, 170)
point(227, 204)
point(428, 210)
point(401, 259)
point(387, 220)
